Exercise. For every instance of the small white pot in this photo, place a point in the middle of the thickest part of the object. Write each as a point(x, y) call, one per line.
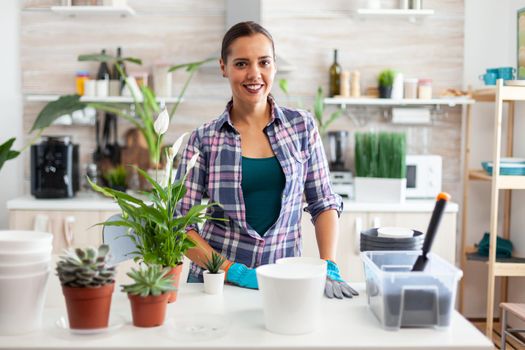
point(213, 282)
point(379, 190)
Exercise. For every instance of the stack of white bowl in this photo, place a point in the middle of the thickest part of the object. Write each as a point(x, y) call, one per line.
point(25, 264)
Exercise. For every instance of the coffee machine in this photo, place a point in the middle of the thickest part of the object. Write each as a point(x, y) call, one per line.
point(54, 168)
point(340, 174)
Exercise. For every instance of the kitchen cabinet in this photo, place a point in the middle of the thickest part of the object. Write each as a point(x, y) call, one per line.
point(352, 223)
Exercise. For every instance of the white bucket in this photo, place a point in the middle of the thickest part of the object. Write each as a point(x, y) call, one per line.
point(18, 241)
point(22, 302)
point(292, 294)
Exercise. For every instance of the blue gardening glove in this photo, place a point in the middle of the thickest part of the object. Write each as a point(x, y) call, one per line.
point(335, 285)
point(241, 275)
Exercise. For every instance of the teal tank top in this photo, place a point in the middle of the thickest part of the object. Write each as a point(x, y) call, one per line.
point(262, 187)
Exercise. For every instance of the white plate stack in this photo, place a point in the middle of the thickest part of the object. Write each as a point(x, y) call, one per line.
point(25, 264)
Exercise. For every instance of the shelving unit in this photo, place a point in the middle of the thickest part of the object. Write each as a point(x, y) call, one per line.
point(501, 94)
point(122, 11)
point(112, 99)
point(367, 101)
point(408, 13)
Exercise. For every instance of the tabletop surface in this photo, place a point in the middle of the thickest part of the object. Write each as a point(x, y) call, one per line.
point(235, 320)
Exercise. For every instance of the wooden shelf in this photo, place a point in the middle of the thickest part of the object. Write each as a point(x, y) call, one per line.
point(505, 182)
point(367, 101)
point(508, 93)
point(479, 174)
point(112, 99)
point(400, 13)
point(122, 11)
point(484, 95)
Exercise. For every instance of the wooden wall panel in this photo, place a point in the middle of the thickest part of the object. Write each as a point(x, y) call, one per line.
point(305, 33)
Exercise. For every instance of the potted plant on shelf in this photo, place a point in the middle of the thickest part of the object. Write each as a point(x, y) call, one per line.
point(116, 178)
point(87, 283)
point(148, 295)
point(380, 167)
point(157, 228)
point(385, 82)
point(214, 276)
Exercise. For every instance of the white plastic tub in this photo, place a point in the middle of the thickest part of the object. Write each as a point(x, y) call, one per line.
point(25, 257)
point(292, 295)
point(22, 302)
point(13, 240)
point(399, 297)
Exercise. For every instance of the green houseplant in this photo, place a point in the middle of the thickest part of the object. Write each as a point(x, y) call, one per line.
point(87, 284)
point(149, 294)
point(380, 167)
point(156, 228)
point(385, 81)
point(318, 108)
point(116, 178)
point(214, 276)
point(145, 103)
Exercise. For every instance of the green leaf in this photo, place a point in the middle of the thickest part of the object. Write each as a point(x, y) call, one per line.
point(283, 85)
point(6, 153)
point(64, 105)
point(319, 107)
point(191, 66)
point(99, 57)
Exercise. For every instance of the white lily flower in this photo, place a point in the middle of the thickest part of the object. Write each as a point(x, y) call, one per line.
point(162, 122)
point(172, 152)
point(192, 162)
point(166, 178)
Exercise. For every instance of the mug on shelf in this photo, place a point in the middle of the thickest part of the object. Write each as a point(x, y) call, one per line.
point(489, 78)
point(506, 73)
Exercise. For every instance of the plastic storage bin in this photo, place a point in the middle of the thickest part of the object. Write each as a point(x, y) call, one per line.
point(402, 298)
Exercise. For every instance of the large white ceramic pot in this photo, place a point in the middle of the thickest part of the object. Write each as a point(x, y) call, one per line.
point(18, 241)
point(22, 302)
point(17, 269)
point(292, 294)
point(25, 257)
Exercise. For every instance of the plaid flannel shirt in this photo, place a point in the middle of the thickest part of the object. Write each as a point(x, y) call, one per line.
point(295, 141)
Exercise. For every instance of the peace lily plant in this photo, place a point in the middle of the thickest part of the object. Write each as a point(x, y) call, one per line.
point(156, 227)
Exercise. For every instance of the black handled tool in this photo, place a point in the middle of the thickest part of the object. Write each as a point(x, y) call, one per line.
point(441, 202)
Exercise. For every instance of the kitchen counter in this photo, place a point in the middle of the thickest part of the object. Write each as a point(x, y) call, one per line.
point(238, 318)
point(95, 202)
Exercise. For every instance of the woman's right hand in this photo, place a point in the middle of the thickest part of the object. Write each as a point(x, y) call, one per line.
point(242, 276)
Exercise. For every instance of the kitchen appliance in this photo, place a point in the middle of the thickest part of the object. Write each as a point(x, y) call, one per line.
point(424, 175)
point(340, 175)
point(54, 168)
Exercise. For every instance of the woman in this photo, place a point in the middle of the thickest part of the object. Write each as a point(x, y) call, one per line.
point(256, 160)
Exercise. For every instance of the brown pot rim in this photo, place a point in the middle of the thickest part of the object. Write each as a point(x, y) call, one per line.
point(150, 299)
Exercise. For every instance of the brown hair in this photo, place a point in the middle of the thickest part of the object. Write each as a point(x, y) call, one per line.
point(239, 30)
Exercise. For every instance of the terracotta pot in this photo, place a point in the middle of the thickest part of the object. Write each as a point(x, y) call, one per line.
point(148, 311)
point(88, 307)
point(175, 277)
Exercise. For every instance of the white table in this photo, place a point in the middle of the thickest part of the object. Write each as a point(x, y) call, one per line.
point(346, 324)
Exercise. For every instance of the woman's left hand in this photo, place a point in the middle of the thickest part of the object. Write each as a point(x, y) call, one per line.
point(335, 285)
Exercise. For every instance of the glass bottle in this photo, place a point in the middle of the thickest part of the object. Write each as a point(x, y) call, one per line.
point(334, 77)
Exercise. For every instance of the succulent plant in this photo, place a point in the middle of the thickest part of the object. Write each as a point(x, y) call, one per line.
point(152, 280)
point(86, 268)
point(213, 264)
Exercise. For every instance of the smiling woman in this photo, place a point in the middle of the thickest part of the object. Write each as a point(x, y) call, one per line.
point(257, 160)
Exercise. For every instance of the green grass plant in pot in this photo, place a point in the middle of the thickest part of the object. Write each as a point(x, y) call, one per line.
point(380, 167)
point(116, 178)
point(87, 284)
point(385, 82)
point(153, 224)
point(149, 295)
point(214, 276)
